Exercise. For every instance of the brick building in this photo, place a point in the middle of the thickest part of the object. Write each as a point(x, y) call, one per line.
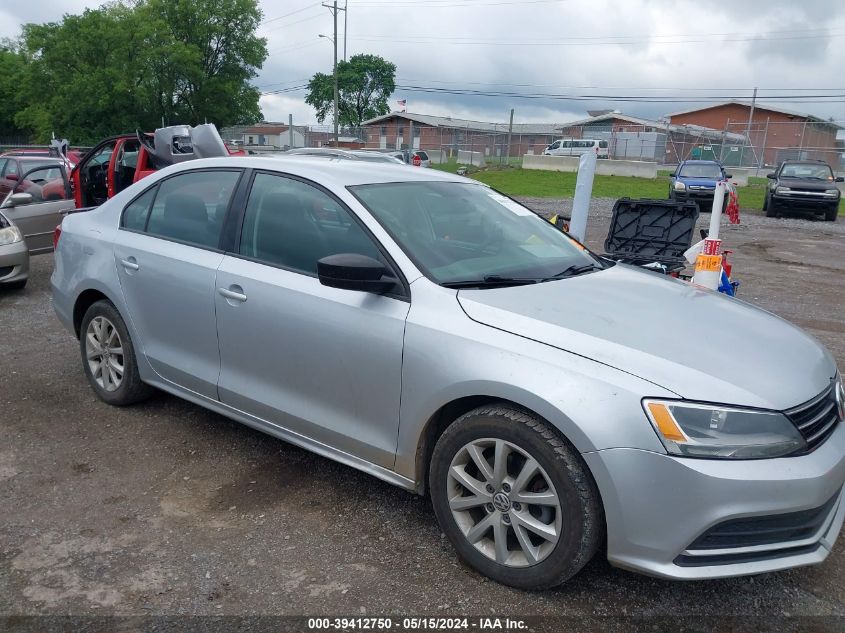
point(774, 134)
point(401, 130)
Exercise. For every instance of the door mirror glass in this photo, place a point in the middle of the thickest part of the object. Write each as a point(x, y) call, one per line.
point(840, 179)
point(351, 271)
point(729, 175)
point(770, 176)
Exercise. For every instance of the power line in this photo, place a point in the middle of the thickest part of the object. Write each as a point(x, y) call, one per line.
point(279, 17)
point(605, 41)
point(559, 87)
point(448, 4)
point(812, 98)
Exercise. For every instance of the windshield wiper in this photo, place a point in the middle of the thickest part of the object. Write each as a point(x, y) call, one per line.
point(572, 271)
point(489, 281)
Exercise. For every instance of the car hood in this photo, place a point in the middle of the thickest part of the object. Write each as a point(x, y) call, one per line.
point(701, 345)
point(810, 185)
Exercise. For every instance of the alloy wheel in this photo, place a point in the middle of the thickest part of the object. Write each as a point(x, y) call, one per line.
point(104, 353)
point(503, 502)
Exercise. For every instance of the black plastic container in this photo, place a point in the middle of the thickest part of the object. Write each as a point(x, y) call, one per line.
point(646, 231)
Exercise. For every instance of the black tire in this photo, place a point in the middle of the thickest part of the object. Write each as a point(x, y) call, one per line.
point(769, 208)
point(582, 517)
point(131, 389)
point(832, 213)
point(15, 285)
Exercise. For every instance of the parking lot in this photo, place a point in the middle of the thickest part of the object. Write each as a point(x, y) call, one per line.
point(167, 508)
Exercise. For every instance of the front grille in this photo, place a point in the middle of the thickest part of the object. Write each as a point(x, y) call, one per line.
point(685, 560)
point(5, 270)
point(750, 535)
point(816, 419)
point(765, 530)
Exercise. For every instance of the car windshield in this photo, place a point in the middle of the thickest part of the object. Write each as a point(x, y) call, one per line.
point(467, 234)
point(701, 170)
point(803, 170)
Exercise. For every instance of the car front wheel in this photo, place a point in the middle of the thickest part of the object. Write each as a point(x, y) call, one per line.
point(769, 207)
point(832, 213)
point(515, 498)
point(108, 356)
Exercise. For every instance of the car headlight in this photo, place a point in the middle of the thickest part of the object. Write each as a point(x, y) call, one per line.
point(840, 397)
point(783, 190)
point(10, 235)
point(720, 432)
point(679, 186)
point(832, 192)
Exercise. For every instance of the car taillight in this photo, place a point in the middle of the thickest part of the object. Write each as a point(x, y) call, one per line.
point(57, 233)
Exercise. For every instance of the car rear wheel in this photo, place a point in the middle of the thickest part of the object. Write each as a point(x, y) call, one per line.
point(515, 498)
point(108, 356)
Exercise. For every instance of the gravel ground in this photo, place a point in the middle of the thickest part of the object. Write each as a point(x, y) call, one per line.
point(166, 508)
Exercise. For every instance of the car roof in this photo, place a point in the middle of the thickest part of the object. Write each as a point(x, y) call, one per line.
point(699, 161)
point(334, 171)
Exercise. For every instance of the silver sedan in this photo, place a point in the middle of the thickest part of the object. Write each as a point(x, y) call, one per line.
point(438, 335)
point(14, 256)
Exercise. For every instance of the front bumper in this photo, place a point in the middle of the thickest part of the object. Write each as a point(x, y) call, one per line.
point(657, 506)
point(14, 262)
point(798, 202)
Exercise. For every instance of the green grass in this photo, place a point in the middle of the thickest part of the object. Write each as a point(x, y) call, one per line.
point(554, 184)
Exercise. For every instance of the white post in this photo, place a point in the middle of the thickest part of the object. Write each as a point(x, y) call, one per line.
point(708, 264)
point(583, 193)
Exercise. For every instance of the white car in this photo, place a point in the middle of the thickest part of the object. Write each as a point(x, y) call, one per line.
point(576, 147)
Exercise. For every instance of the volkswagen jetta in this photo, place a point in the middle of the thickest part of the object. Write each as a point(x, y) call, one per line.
point(425, 329)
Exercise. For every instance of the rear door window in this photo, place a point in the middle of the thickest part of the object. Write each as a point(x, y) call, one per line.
point(190, 207)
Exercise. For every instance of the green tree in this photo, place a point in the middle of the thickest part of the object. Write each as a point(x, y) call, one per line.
point(12, 69)
point(365, 84)
point(132, 64)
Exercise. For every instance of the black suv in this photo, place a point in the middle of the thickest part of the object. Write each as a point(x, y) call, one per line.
point(803, 185)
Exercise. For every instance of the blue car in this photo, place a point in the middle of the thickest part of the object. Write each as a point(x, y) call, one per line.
point(696, 180)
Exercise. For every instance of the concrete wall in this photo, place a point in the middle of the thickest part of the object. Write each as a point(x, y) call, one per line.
point(640, 169)
point(471, 158)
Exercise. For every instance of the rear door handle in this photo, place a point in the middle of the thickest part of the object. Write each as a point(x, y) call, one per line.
point(130, 264)
point(235, 293)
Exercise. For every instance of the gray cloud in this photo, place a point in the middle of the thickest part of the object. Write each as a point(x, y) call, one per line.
point(655, 47)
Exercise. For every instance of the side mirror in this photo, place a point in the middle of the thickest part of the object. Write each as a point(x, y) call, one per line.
point(11, 176)
point(351, 271)
point(839, 179)
point(673, 174)
point(770, 176)
point(19, 199)
point(729, 176)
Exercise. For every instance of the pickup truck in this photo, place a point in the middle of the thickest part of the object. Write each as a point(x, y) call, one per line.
point(119, 161)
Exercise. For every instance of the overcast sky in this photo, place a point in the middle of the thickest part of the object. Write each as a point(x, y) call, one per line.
point(690, 49)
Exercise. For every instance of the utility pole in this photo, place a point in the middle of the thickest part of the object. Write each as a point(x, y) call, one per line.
point(748, 128)
point(510, 131)
point(334, 9)
point(345, 21)
point(290, 131)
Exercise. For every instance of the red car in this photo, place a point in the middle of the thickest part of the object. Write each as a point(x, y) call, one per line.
point(119, 161)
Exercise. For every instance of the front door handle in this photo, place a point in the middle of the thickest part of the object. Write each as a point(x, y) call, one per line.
point(235, 293)
point(130, 264)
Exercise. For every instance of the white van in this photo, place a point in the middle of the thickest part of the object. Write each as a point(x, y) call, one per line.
point(576, 147)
